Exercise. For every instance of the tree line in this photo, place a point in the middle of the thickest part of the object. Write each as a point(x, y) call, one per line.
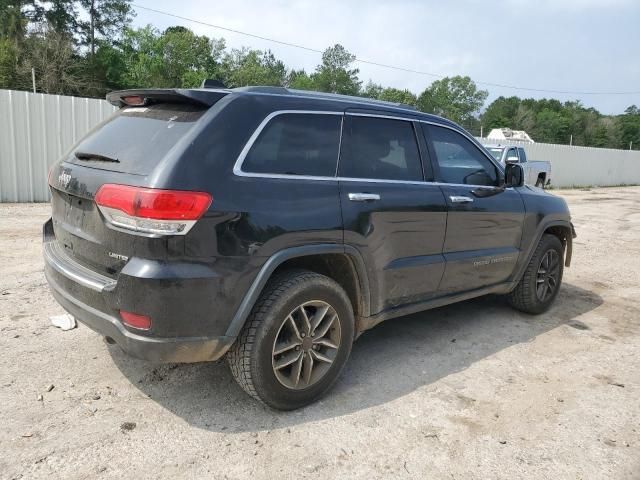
point(88, 48)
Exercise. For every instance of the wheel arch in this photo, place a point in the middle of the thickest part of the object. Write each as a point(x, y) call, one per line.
point(340, 262)
point(563, 229)
point(565, 233)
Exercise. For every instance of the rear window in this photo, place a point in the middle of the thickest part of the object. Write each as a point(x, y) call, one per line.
point(496, 153)
point(296, 144)
point(136, 138)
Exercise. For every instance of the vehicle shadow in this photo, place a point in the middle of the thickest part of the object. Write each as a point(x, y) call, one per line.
point(388, 362)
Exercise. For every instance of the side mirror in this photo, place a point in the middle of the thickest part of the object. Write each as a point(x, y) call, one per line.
point(513, 175)
point(513, 160)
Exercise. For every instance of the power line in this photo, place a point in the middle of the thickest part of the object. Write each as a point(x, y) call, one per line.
point(370, 62)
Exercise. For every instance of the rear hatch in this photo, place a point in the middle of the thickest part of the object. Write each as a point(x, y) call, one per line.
point(124, 150)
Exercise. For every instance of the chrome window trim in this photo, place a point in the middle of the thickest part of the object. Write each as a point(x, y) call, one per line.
point(237, 167)
point(408, 119)
point(384, 180)
point(335, 174)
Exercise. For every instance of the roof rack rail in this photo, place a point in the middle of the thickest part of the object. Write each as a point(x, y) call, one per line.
point(264, 89)
point(325, 95)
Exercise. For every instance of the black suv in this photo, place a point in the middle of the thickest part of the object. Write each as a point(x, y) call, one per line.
point(274, 226)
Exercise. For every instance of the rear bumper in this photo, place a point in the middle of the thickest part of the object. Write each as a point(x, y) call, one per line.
point(180, 349)
point(94, 300)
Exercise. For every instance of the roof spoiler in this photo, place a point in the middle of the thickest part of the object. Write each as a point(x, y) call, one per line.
point(147, 96)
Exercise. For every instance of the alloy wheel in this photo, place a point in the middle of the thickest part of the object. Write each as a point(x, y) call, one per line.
point(306, 345)
point(548, 276)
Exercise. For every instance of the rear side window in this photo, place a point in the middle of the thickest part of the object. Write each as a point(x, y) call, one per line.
point(297, 144)
point(136, 139)
point(523, 155)
point(380, 148)
point(459, 160)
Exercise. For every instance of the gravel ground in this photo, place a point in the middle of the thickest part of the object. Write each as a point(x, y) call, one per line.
point(474, 390)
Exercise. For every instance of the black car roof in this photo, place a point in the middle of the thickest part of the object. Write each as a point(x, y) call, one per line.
point(208, 96)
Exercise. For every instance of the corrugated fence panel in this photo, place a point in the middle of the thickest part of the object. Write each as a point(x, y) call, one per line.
point(582, 166)
point(35, 131)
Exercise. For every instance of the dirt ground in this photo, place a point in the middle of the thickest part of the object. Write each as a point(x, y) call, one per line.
point(474, 390)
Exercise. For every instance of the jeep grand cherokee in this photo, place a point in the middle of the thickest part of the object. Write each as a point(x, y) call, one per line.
point(274, 226)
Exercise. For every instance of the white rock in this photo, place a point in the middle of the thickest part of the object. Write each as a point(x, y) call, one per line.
point(65, 322)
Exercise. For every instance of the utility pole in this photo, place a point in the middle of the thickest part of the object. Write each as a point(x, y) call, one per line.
point(630, 144)
point(481, 136)
point(33, 78)
point(571, 140)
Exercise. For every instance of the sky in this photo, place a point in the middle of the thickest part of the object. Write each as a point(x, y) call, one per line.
point(562, 45)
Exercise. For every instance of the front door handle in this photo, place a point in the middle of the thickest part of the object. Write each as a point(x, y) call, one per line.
point(363, 197)
point(460, 199)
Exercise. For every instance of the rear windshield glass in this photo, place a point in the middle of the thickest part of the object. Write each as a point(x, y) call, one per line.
point(496, 152)
point(136, 138)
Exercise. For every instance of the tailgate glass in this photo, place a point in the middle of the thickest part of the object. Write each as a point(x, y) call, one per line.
point(136, 139)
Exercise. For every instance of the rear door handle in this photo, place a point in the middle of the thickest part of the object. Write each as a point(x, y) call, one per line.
point(363, 197)
point(460, 199)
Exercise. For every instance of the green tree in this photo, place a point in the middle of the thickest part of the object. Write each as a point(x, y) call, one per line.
point(456, 98)
point(396, 95)
point(501, 113)
point(393, 95)
point(551, 127)
point(334, 74)
point(15, 16)
point(58, 69)
point(145, 58)
point(8, 63)
point(300, 80)
point(628, 128)
point(106, 19)
point(61, 16)
point(141, 56)
point(372, 90)
point(188, 58)
point(243, 67)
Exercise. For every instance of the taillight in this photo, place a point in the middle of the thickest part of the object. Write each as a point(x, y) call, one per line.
point(133, 100)
point(135, 320)
point(151, 210)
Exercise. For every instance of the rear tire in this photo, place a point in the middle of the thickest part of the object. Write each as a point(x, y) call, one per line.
point(295, 342)
point(541, 281)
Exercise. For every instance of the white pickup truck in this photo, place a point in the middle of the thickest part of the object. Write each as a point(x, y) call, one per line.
point(536, 172)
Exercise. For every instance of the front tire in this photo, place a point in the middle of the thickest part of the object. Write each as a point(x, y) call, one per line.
point(295, 342)
point(540, 182)
point(541, 281)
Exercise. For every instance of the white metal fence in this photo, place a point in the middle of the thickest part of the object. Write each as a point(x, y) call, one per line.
point(573, 166)
point(37, 129)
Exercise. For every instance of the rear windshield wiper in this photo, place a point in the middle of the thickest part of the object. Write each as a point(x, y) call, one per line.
point(95, 156)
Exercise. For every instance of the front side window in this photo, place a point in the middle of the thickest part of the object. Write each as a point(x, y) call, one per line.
point(459, 160)
point(296, 144)
point(380, 148)
point(512, 153)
